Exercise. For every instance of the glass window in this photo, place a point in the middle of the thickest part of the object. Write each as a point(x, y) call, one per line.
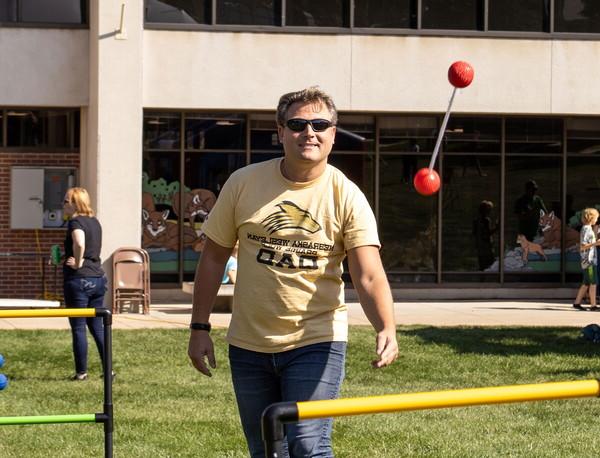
point(471, 202)
point(207, 131)
point(384, 14)
point(583, 136)
point(54, 12)
point(39, 128)
point(160, 223)
point(249, 12)
point(355, 133)
point(519, 15)
point(532, 222)
point(8, 11)
point(583, 190)
point(577, 16)
point(408, 134)
point(451, 14)
point(317, 13)
point(162, 130)
point(534, 136)
point(263, 133)
point(472, 135)
point(407, 221)
point(178, 11)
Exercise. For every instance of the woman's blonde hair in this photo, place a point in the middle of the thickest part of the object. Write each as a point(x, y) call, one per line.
point(80, 200)
point(588, 215)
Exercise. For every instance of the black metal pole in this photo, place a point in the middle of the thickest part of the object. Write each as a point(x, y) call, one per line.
point(273, 419)
point(108, 379)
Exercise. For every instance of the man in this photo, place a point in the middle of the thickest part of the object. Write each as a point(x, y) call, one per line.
point(296, 219)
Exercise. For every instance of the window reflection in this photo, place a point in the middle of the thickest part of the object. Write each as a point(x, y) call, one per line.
point(534, 135)
point(178, 11)
point(583, 136)
point(56, 11)
point(408, 134)
point(452, 14)
point(384, 14)
point(215, 131)
point(472, 135)
point(577, 16)
point(470, 212)
point(162, 130)
point(519, 15)
point(316, 13)
point(408, 221)
point(249, 12)
point(39, 128)
point(532, 210)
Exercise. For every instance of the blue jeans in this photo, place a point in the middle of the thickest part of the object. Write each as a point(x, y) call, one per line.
point(312, 372)
point(85, 292)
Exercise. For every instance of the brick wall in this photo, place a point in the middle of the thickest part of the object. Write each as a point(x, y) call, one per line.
point(22, 276)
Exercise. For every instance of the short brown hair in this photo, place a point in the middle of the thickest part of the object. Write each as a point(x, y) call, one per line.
point(80, 200)
point(588, 215)
point(312, 94)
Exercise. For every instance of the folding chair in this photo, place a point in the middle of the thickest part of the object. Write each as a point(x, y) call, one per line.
point(131, 279)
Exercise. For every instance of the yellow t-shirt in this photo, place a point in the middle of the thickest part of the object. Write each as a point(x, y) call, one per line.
point(293, 238)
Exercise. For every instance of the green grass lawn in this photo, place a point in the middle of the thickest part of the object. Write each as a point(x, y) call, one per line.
point(164, 408)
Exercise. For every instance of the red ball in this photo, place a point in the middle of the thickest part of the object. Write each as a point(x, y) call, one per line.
point(460, 74)
point(427, 182)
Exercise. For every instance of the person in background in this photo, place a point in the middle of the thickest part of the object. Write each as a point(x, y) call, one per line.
point(296, 218)
point(231, 267)
point(589, 259)
point(483, 229)
point(527, 209)
point(84, 278)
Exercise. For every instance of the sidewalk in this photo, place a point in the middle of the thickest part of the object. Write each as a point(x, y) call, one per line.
point(438, 313)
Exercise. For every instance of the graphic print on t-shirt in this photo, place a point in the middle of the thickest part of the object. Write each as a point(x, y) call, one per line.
point(290, 216)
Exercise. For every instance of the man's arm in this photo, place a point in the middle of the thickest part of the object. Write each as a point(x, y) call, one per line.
point(375, 297)
point(207, 280)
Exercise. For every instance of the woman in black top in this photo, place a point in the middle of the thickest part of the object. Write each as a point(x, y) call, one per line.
point(84, 278)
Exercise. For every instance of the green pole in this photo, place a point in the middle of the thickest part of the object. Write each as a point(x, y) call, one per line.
point(45, 419)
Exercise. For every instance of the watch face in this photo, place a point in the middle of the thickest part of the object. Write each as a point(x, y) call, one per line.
point(200, 326)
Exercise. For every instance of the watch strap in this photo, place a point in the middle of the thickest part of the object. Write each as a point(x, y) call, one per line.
point(200, 326)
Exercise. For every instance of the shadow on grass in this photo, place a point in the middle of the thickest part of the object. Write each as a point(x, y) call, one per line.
point(529, 341)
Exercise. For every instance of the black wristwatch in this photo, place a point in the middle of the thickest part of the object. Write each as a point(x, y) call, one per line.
point(200, 326)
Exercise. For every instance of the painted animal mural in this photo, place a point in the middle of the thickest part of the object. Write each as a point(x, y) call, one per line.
point(158, 232)
point(197, 204)
point(550, 225)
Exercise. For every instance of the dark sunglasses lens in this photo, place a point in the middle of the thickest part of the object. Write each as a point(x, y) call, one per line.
point(297, 125)
point(319, 125)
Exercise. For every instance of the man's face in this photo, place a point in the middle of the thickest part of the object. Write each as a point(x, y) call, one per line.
point(307, 146)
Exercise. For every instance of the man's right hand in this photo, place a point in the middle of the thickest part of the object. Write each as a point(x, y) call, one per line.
point(201, 350)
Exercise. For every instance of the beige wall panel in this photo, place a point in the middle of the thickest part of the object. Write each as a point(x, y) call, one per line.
point(410, 74)
point(241, 70)
point(576, 77)
point(43, 67)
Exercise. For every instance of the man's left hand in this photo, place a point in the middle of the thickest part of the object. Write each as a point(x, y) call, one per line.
point(386, 349)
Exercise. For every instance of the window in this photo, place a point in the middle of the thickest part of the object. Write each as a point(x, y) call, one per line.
point(44, 11)
point(452, 14)
point(179, 12)
point(249, 12)
point(317, 13)
point(384, 14)
point(161, 130)
point(519, 15)
point(214, 131)
point(42, 128)
point(533, 136)
point(577, 16)
point(583, 136)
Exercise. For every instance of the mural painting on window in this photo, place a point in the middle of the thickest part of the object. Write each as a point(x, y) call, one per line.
point(160, 215)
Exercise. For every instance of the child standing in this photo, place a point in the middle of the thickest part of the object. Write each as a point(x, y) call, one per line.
point(589, 259)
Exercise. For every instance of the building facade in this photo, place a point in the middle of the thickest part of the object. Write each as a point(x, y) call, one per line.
point(151, 105)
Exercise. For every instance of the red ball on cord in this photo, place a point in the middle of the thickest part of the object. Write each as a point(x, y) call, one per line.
point(460, 74)
point(427, 182)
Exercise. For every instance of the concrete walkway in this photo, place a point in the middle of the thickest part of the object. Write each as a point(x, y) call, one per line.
point(438, 313)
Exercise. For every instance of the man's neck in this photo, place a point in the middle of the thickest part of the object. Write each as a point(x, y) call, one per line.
point(299, 174)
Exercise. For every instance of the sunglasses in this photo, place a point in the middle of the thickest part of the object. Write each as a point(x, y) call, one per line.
point(299, 124)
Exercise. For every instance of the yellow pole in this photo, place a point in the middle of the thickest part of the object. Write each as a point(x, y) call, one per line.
point(450, 398)
point(48, 313)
